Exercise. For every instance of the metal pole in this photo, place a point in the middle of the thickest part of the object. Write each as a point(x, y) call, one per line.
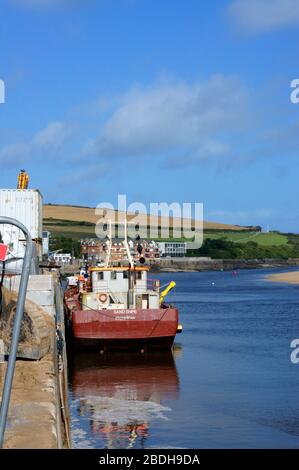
point(17, 324)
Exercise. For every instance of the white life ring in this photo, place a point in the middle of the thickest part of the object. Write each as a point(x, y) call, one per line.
point(103, 298)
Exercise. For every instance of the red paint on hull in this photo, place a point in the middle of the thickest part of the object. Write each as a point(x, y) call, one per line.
point(151, 328)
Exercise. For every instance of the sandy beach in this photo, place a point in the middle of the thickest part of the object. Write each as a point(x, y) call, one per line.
point(290, 278)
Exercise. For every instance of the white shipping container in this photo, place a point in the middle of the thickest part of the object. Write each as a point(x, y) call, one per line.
point(24, 205)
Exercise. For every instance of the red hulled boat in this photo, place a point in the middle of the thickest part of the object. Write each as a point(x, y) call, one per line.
point(116, 306)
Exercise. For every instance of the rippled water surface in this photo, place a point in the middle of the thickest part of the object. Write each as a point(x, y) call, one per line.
point(228, 383)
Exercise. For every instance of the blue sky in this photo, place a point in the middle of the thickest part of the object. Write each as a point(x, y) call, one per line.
point(173, 100)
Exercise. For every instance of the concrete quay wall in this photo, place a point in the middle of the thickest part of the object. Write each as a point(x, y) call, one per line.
point(38, 413)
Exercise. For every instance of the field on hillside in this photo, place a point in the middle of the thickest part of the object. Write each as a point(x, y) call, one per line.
point(71, 214)
point(77, 232)
point(69, 224)
point(263, 239)
point(79, 222)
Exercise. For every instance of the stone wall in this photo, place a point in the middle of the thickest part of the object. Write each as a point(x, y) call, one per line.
point(208, 264)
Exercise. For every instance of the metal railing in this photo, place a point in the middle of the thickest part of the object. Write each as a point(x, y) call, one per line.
point(17, 324)
point(153, 284)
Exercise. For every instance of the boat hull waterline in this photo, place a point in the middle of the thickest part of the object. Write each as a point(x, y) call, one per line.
point(125, 329)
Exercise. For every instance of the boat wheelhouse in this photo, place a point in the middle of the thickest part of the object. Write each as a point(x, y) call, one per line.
point(120, 288)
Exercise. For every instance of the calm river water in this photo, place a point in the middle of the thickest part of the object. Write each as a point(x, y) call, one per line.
point(229, 382)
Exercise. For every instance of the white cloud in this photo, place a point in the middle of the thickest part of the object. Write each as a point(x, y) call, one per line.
point(258, 16)
point(48, 140)
point(174, 118)
point(52, 136)
point(166, 120)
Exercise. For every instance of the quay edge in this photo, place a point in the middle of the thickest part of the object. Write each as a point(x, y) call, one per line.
point(38, 414)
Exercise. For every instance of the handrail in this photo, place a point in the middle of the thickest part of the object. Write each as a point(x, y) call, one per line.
point(17, 324)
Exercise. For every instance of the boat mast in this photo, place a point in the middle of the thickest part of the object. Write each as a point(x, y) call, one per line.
point(127, 245)
point(109, 242)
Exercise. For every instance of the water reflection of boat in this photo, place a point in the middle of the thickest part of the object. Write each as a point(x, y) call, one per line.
point(121, 395)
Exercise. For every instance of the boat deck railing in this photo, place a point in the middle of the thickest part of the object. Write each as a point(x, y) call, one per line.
point(153, 284)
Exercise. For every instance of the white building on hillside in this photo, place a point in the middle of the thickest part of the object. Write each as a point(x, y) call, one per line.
point(63, 258)
point(173, 249)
